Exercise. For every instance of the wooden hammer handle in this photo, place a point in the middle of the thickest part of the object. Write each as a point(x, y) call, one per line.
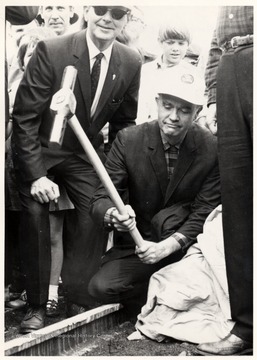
point(102, 173)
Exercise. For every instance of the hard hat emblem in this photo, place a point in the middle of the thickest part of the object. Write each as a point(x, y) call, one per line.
point(187, 78)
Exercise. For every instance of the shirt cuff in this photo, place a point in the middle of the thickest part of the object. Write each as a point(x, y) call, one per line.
point(108, 218)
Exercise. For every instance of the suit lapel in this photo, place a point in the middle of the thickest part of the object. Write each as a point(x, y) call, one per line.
point(157, 157)
point(82, 64)
point(112, 77)
point(186, 156)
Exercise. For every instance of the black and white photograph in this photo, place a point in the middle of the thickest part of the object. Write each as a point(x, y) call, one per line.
point(128, 184)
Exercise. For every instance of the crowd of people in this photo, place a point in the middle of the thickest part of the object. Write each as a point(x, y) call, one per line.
point(178, 149)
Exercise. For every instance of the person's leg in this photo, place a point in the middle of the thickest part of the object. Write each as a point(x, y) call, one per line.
point(13, 271)
point(17, 294)
point(84, 242)
point(124, 281)
point(234, 106)
point(35, 246)
point(56, 234)
point(234, 116)
point(35, 258)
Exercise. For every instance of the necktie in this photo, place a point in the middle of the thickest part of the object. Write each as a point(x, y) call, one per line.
point(95, 74)
point(171, 155)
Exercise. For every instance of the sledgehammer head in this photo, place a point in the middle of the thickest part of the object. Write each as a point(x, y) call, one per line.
point(63, 104)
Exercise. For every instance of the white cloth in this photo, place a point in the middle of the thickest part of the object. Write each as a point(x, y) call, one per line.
point(188, 300)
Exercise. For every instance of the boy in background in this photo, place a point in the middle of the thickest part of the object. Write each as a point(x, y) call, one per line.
point(174, 40)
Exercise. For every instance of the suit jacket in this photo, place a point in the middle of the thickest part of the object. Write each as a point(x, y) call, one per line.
point(137, 166)
point(33, 118)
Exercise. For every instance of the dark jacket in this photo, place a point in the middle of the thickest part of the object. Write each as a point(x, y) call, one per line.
point(137, 167)
point(42, 79)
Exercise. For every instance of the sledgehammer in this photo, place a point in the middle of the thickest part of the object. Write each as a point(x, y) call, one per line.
point(64, 105)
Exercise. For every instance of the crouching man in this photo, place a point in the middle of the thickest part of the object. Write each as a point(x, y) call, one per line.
point(167, 173)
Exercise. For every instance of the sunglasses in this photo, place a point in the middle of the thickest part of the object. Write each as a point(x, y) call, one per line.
point(116, 13)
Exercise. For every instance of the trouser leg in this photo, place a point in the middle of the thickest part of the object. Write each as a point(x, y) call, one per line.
point(84, 241)
point(234, 115)
point(35, 246)
point(13, 271)
point(124, 281)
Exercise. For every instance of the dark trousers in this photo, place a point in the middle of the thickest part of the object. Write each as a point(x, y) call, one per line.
point(235, 116)
point(83, 244)
point(125, 280)
point(13, 269)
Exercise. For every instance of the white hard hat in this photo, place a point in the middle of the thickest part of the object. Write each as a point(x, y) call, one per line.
point(183, 82)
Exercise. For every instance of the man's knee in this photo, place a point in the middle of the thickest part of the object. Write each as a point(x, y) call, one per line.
point(103, 289)
point(97, 287)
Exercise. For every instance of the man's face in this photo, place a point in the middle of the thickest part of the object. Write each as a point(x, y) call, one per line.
point(175, 116)
point(103, 29)
point(174, 51)
point(57, 18)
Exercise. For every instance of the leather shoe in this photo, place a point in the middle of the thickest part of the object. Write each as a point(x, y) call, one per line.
point(33, 320)
point(230, 345)
point(19, 303)
point(75, 309)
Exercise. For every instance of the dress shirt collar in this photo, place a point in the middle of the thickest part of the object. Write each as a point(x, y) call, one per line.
point(94, 51)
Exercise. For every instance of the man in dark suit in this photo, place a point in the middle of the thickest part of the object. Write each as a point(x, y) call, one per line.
point(168, 170)
point(115, 101)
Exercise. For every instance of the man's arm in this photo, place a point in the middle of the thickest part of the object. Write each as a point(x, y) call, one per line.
point(205, 202)
point(207, 199)
point(214, 56)
point(115, 166)
point(33, 96)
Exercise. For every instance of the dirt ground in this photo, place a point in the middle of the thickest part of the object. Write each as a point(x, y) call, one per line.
point(115, 343)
